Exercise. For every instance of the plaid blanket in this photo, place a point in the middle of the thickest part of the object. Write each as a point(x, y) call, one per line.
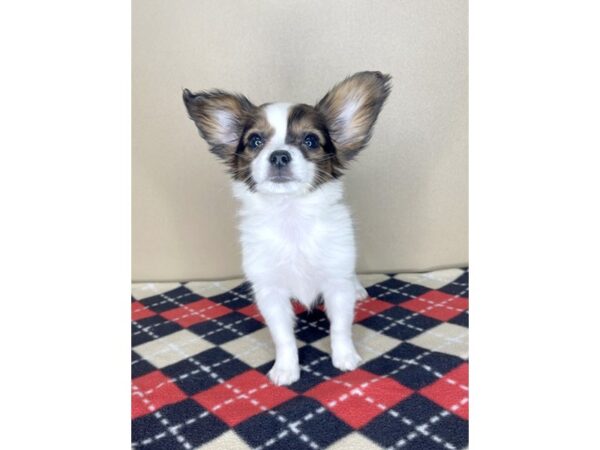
point(201, 352)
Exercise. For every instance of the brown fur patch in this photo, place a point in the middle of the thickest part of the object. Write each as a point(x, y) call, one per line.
point(226, 121)
point(343, 121)
point(220, 118)
point(351, 109)
point(304, 120)
point(240, 161)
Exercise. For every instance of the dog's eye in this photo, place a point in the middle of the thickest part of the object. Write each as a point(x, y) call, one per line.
point(311, 141)
point(255, 141)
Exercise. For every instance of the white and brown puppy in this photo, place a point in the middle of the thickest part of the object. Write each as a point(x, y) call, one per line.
point(297, 238)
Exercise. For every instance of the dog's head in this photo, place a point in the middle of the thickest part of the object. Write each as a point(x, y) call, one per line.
point(280, 148)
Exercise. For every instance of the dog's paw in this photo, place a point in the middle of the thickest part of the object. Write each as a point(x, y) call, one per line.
point(360, 292)
point(283, 375)
point(346, 360)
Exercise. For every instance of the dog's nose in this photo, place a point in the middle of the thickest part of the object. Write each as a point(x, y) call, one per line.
point(280, 158)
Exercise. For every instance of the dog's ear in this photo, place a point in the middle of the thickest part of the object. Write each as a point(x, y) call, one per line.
point(220, 118)
point(351, 109)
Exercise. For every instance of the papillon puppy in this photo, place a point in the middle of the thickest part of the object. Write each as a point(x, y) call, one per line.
point(286, 161)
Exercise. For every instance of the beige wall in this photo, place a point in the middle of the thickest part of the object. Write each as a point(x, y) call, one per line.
point(408, 189)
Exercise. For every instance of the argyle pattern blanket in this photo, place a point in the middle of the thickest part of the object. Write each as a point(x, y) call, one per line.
point(201, 352)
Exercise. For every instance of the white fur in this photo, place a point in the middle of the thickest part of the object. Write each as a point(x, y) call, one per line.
point(298, 242)
point(351, 106)
point(299, 246)
point(304, 171)
point(297, 237)
point(225, 119)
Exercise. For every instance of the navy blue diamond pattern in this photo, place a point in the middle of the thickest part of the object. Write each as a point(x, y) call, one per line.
point(408, 394)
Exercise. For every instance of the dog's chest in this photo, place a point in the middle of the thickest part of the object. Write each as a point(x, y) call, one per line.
point(297, 248)
point(292, 240)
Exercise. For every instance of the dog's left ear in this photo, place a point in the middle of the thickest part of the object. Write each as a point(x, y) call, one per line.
point(351, 109)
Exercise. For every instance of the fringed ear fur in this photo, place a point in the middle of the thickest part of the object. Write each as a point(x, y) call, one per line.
point(351, 109)
point(220, 117)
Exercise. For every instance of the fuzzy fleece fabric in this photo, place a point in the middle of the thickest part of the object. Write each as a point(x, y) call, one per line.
point(201, 352)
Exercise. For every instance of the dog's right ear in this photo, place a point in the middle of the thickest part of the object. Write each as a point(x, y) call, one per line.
point(220, 118)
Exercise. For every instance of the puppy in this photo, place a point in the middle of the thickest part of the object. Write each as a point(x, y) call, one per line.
point(286, 161)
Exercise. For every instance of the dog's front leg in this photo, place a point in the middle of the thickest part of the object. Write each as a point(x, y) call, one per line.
point(276, 308)
point(340, 297)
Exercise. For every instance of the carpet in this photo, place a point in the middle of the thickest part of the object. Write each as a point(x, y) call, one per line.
point(201, 352)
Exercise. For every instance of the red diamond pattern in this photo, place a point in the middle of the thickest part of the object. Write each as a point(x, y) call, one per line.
point(242, 397)
point(151, 392)
point(251, 311)
point(370, 307)
point(450, 391)
point(139, 311)
point(355, 403)
point(438, 305)
point(371, 406)
point(196, 312)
